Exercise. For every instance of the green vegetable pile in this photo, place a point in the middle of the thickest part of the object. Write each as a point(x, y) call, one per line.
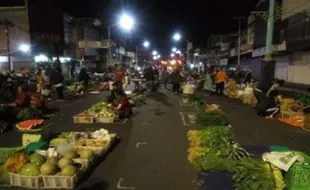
point(29, 113)
point(211, 119)
point(305, 101)
point(213, 149)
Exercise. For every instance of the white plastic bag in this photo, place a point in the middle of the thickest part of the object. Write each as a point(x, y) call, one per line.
point(283, 160)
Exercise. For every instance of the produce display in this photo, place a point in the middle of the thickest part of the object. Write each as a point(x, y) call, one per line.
point(29, 113)
point(213, 149)
point(29, 124)
point(66, 159)
point(100, 112)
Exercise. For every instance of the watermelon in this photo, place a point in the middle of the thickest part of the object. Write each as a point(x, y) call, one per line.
point(29, 124)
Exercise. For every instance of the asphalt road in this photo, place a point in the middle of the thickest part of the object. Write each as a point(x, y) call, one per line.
point(250, 129)
point(151, 152)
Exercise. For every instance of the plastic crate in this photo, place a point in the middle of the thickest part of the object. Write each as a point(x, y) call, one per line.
point(61, 182)
point(25, 181)
point(7, 152)
point(298, 176)
point(104, 119)
point(83, 119)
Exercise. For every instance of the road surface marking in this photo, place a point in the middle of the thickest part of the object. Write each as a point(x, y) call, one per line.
point(191, 116)
point(119, 185)
point(140, 143)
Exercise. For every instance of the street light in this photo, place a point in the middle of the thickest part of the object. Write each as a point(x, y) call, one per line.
point(172, 55)
point(146, 44)
point(174, 49)
point(126, 21)
point(155, 57)
point(177, 36)
point(24, 48)
point(178, 52)
point(158, 56)
point(154, 53)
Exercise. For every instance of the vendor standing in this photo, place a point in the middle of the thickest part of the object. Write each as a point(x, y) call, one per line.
point(84, 79)
point(175, 79)
point(220, 78)
point(119, 77)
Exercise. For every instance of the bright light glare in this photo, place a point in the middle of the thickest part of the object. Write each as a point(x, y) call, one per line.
point(146, 44)
point(3, 59)
point(138, 68)
point(172, 62)
point(174, 49)
point(196, 54)
point(178, 52)
point(154, 53)
point(24, 48)
point(192, 66)
point(126, 22)
point(177, 37)
point(62, 59)
point(41, 58)
point(158, 56)
point(172, 55)
point(155, 57)
point(200, 63)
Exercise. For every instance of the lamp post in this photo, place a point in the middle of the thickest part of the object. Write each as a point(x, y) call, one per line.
point(125, 22)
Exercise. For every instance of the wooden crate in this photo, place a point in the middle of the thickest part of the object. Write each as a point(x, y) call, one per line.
point(84, 119)
point(26, 181)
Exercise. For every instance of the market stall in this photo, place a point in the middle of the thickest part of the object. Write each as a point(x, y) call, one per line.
point(60, 163)
point(216, 155)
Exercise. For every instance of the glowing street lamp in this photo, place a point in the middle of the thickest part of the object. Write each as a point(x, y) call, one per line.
point(174, 50)
point(178, 52)
point(126, 22)
point(146, 44)
point(154, 53)
point(24, 48)
point(177, 37)
point(155, 57)
point(158, 56)
point(172, 55)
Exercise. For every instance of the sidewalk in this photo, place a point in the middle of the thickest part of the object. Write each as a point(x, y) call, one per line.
point(252, 129)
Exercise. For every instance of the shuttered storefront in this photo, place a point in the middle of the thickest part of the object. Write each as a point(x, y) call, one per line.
point(244, 63)
point(282, 67)
point(255, 65)
point(299, 71)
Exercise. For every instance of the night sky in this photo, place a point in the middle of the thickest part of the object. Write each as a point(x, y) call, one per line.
point(158, 19)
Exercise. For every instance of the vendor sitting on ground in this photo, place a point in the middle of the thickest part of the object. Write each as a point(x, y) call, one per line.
point(269, 106)
point(124, 106)
point(23, 99)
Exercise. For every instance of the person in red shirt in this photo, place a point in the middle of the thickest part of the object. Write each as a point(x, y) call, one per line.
point(124, 106)
point(23, 99)
point(119, 77)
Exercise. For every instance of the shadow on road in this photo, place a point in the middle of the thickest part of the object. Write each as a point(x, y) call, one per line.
point(160, 97)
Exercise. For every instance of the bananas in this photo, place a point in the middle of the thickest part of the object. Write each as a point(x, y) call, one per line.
point(278, 178)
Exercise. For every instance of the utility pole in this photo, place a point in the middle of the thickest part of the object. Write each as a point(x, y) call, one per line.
point(268, 64)
point(239, 39)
